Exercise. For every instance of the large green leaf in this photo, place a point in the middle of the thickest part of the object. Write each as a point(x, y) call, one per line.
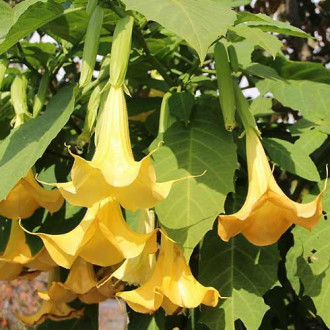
point(311, 140)
point(310, 98)
point(70, 26)
point(198, 22)
point(181, 105)
point(193, 203)
point(259, 38)
point(26, 17)
point(7, 17)
point(243, 273)
point(302, 70)
point(308, 261)
point(292, 158)
point(261, 106)
point(21, 149)
point(268, 24)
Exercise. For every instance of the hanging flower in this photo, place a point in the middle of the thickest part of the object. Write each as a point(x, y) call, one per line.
point(171, 285)
point(82, 283)
point(17, 256)
point(138, 270)
point(27, 196)
point(113, 170)
point(267, 212)
point(51, 310)
point(102, 238)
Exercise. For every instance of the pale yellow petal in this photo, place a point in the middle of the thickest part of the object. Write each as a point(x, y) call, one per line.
point(117, 231)
point(178, 284)
point(144, 192)
point(52, 311)
point(19, 203)
point(113, 154)
point(64, 248)
point(267, 212)
point(51, 200)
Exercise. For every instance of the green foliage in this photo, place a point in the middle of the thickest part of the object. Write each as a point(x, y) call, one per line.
point(282, 286)
point(197, 150)
point(198, 22)
point(25, 18)
point(292, 158)
point(25, 144)
point(241, 272)
point(307, 97)
point(308, 261)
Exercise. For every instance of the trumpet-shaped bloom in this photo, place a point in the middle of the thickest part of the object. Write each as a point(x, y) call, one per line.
point(27, 196)
point(51, 310)
point(138, 270)
point(267, 212)
point(113, 170)
point(17, 255)
point(102, 238)
point(171, 285)
point(81, 282)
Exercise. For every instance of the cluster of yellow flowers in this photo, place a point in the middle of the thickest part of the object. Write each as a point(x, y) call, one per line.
point(111, 180)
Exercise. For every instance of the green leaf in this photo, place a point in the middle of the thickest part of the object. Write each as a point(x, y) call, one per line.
point(244, 49)
point(262, 71)
point(21, 149)
point(308, 261)
point(310, 98)
point(261, 106)
point(243, 273)
point(198, 22)
point(193, 203)
point(268, 24)
point(7, 17)
point(181, 105)
point(38, 54)
point(303, 125)
point(292, 158)
point(302, 70)
point(28, 16)
point(260, 38)
point(70, 26)
point(311, 140)
point(139, 321)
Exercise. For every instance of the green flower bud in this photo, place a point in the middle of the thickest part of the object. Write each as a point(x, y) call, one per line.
point(166, 119)
point(233, 58)
point(91, 114)
point(120, 51)
point(40, 98)
point(3, 67)
point(225, 85)
point(91, 46)
point(18, 99)
point(243, 109)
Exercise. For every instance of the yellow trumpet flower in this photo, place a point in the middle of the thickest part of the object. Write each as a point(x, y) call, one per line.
point(171, 285)
point(27, 196)
point(267, 212)
point(17, 255)
point(51, 310)
point(113, 170)
point(138, 270)
point(102, 238)
point(82, 283)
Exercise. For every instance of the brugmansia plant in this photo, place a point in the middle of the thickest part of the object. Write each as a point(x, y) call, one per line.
point(166, 154)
